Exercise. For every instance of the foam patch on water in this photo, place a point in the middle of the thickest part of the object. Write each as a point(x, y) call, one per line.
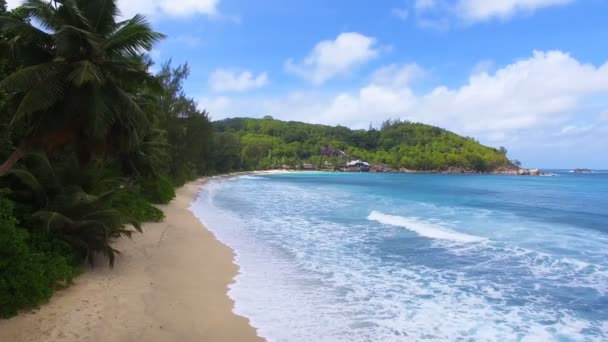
point(423, 228)
point(313, 267)
point(250, 177)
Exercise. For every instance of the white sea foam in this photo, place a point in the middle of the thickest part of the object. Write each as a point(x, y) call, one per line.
point(250, 177)
point(423, 228)
point(307, 277)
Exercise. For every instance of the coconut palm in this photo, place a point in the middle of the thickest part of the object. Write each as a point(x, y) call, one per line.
point(79, 85)
point(63, 203)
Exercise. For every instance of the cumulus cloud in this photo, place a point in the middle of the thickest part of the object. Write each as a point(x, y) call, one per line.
point(10, 4)
point(546, 91)
point(481, 67)
point(395, 75)
point(330, 58)
point(425, 4)
point(576, 129)
point(181, 8)
point(481, 10)
point(442, 14)
point(226, 80)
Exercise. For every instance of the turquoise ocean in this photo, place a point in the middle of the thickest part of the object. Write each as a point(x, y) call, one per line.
point(416, 257)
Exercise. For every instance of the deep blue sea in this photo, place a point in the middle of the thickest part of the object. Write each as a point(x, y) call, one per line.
point(413, 257)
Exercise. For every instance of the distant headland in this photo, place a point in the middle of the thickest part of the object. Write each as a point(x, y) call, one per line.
point(396, 146)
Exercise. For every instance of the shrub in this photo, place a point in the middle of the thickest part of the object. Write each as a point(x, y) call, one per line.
point(27, 276)
point(134, 205)
point(158, 190)
point(183, 174)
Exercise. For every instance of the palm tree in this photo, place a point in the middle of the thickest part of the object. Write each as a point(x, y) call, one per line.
point(64, 203)
point(80, 84)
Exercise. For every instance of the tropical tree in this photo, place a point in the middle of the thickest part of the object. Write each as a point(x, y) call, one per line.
point(80, 83)
point(73, 204)
point(189, 130)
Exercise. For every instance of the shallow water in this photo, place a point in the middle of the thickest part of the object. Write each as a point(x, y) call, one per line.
point(394, 257)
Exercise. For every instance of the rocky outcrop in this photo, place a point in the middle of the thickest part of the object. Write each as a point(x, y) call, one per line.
point(528, 172)
point(508, 170)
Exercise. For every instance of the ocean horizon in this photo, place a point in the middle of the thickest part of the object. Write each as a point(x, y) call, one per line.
point(397, 257)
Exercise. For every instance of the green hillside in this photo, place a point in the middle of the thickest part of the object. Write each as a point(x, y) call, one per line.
point(246, 143)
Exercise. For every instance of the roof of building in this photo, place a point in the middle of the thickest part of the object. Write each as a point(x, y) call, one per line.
point(357, 162)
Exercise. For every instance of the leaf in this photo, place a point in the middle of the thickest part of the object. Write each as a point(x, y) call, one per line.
point(39, 99)
point(17, 27)
point(53, 220)
point(132, 37)
point(33, 77)
point(30, 181)
point(85, 72)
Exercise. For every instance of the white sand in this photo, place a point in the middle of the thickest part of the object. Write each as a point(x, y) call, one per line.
point(169, 285)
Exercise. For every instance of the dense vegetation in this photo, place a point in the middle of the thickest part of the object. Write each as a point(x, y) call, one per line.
point(90, 139)
point(268, 143)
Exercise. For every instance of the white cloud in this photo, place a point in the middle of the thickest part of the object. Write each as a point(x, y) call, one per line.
point(480, 10)
point(442, 14)
point(10, 4)
point(576, 129)
point(481, 67)
point(155, 54)
point(218, 104)
point(425, 4)
point(180, 8)
point(330, 58)
point(397, 75)
point(514, 104)
point(226, 80)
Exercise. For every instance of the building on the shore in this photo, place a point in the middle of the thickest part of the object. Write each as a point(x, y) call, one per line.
point(307, 166)
point(357, 166)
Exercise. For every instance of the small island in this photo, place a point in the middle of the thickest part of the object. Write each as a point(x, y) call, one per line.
point(582, 171)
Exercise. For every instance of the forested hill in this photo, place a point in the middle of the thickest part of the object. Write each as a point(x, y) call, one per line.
point(246, 143)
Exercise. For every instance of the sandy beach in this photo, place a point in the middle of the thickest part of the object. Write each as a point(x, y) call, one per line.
point(169, 285)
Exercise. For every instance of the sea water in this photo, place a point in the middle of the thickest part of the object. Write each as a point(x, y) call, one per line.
point(396, 257)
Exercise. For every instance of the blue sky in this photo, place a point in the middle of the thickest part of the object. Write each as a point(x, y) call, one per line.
point(531, 75)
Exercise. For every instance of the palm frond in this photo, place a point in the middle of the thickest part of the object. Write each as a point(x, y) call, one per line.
point(39, 99)
point(33, 77)
point(132, 37)
point(52, 220)
point(74, 13)
point(85, 72)
point(69, 41)
point(135, 223)
point(31, 182)
point(19, 28)
point(109, 217)
point(38, 164)
point(44, 13)
point(101, 14)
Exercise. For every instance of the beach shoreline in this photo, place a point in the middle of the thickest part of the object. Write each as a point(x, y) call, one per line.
point(169, 284)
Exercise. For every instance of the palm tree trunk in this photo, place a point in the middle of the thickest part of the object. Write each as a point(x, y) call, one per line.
point(13, 159)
